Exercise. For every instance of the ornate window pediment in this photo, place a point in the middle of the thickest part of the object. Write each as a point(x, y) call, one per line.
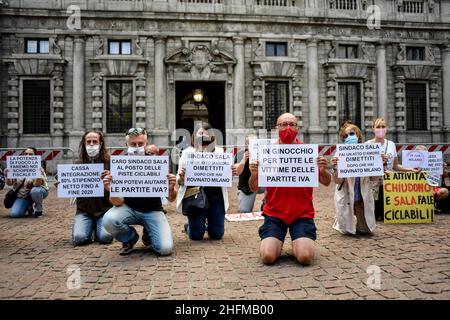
point(412, 69)
point(119, 65)
point(284, 69)
point(35, 64)
point(44, 64)
point(201, 61)
point(335, 56)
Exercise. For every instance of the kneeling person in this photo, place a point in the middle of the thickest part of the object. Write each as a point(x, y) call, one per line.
point(147, 212)
point(288, 207)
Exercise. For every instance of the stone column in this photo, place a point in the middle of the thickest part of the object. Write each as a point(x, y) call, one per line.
point(78, 94)
point(13, 108)
point(239, 84)
point(315, 131)
point(446, 89)
point(78, 125)
point(160, 132)
point(381, 81)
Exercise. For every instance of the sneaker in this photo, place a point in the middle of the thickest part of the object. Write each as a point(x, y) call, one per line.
point(128, 248)
point(145, 239)
point(30, 210)
point(37, 214)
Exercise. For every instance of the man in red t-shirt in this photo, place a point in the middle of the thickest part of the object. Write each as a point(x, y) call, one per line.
point(288, 207)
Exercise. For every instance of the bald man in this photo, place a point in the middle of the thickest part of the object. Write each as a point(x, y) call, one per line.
point(288, 207)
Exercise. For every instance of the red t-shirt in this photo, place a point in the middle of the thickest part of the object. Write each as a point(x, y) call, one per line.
point(289, 203)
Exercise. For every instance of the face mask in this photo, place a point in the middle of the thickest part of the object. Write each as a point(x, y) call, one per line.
point(92, 151)
point(139, 151)
point(380, 132)
point(287, 135)
point(351, 139)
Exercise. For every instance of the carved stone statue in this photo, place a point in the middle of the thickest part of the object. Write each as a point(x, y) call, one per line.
point(99, 49)
point(56, 48)
point(259, 49)
point(332, 52)
point(139, 50)
point(401, 55)
point(430, 54)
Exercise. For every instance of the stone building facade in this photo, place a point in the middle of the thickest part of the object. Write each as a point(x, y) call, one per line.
point(124, 63)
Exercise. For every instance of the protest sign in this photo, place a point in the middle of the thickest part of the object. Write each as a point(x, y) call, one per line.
point(23, 167)
point(139, 176)
point(208, 169)
point(288, 165)
point(253, 147)
point(80, 180)
point(434, 180)
point(408, 198)
point(359, 160)
point(414, 159)
point(435, 163)
point(248, 216)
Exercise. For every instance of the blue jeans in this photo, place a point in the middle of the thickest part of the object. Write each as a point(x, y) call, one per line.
point(117, 221)
point(215, 215)
point(246, 201)
point(21, 205)
point(83, 227)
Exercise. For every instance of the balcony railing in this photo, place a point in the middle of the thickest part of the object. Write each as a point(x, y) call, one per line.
point(344, 4)
point(390, 10)
point(276, 3)
point(412, 7)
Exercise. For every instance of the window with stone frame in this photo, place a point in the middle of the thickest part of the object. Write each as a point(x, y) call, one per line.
point(36, 106)
point(117, 47)
point(416, 106)
point(415, 53)
point(119, 105)
point(276, 98)
point(348, 51)
point(349, 102)
point(276, 49)
point(34, 46)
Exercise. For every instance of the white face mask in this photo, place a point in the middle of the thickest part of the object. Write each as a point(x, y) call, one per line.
point(139, 151)
point(93, 151)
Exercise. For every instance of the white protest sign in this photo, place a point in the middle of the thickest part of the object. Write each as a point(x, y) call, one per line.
point(139, 176)
point(208, 169)
point(359, 160)
point(253, 147)
point(23, 167)
point(80, 180)
point(435, 163)
point(248, 216)
point(288, 165)
point(434, 180)
point(414, 158)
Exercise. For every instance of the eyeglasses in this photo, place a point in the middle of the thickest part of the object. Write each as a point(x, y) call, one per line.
point(284, 125)
point(136, 131)
point(28, 154)
point(349, 134)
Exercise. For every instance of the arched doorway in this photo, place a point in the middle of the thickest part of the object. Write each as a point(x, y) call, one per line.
point(210, 109)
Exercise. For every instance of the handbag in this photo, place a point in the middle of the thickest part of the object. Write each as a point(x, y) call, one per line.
point(11, 196)
point(194, 200)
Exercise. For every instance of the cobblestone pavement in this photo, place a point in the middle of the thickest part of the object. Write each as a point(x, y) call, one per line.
point(35, 255)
